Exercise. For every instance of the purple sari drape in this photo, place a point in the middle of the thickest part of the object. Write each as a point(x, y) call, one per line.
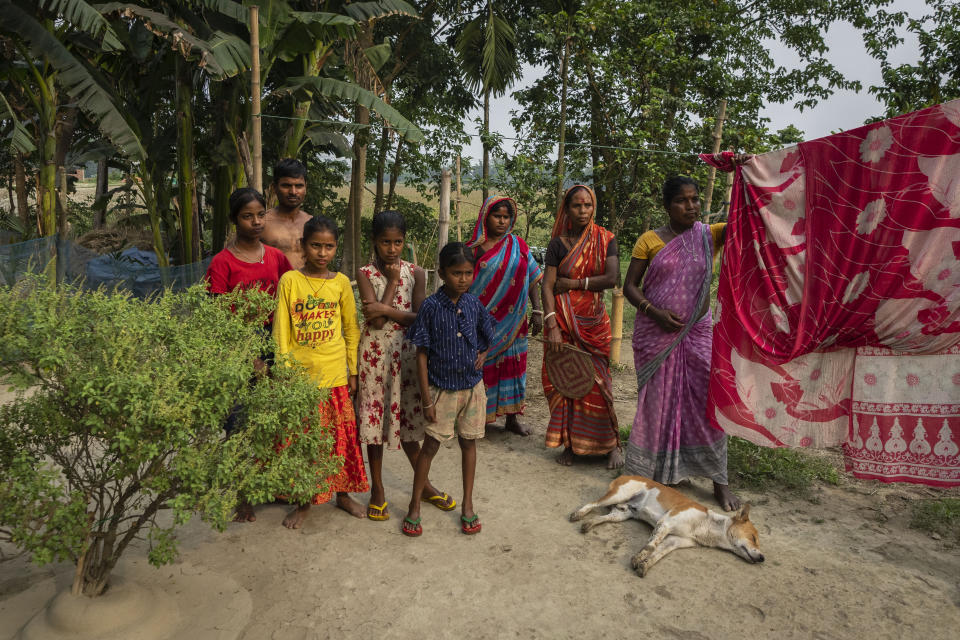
point(671, 437)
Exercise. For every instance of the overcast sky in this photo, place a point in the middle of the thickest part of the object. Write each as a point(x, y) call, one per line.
point(844, 110)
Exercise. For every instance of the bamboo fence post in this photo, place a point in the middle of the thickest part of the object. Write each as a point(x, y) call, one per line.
point(457, 203)
point(443, 230)
point(712, 175)
point(616, 324)
point(256, 137)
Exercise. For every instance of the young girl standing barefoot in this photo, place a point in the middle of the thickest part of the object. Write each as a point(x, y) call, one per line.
point(452, 332)
point(316, 323)
point(246, 263)
point(388, 400)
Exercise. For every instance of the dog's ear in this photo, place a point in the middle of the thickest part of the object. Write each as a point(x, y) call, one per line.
point(744, 514)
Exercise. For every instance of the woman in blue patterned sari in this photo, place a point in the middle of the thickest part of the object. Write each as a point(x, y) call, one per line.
point(505, 277)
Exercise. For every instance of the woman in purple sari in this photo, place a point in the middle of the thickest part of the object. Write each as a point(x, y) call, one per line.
point(669, 283)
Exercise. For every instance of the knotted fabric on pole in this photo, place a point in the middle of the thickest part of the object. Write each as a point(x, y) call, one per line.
point(839, 300)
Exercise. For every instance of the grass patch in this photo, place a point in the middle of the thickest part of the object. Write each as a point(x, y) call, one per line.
point(938, 516)
point(761, 468)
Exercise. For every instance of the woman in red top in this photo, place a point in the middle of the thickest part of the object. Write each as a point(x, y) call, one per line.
point(246, 262)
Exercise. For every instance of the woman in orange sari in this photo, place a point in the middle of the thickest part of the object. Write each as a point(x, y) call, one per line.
point(581, 264)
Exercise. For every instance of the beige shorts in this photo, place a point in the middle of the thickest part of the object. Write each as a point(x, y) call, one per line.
point(462, 413)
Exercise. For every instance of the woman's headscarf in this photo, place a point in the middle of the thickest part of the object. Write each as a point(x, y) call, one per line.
point(562, 222)
point(503, 275)
point(480, 229)
point(589, 253)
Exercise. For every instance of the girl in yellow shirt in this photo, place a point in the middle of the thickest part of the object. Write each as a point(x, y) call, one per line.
point(316, 323)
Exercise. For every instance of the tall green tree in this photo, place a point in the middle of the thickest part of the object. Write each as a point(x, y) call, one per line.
point(645, 79)
point(935, 75)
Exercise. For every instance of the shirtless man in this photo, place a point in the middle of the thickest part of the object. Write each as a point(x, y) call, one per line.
point(283, 226)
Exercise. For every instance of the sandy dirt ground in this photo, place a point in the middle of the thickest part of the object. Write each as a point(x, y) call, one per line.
point(843, 566)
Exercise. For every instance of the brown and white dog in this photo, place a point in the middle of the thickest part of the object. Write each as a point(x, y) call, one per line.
point(678, 522)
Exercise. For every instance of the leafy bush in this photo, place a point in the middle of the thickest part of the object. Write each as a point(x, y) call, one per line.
point(938, 516)
point(760, 468)
point(120, 413)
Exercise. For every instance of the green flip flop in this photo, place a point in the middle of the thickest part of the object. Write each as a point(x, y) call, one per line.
point(416, 531)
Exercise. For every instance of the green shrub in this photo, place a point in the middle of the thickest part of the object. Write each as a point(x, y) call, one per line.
point(938, 516)
point(120, 413)
point(761, 468)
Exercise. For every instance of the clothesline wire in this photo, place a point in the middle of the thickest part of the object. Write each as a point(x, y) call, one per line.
point(356, 125)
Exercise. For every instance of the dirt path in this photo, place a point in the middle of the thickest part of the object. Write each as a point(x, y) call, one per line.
point(846, 566)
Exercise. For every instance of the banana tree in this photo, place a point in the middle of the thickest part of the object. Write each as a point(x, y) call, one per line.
point(307, 89)
point(43, 33)
point(175, 47)
point(333, 70)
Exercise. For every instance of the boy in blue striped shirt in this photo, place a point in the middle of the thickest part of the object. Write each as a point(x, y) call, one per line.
point(452, 333)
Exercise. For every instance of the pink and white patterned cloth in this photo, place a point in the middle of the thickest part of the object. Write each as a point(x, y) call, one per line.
point(839, 302)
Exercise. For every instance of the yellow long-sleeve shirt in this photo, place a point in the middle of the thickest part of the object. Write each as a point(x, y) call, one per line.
point(316, 322)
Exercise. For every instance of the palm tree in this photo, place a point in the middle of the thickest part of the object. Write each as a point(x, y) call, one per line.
point(487, 48)
point(566, 10)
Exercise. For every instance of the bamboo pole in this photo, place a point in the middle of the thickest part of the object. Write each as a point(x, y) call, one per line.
point(256, 137)
point(726, 201)
point(616, 324)
point(443, 230)
point(457, 203)
point(712, 176)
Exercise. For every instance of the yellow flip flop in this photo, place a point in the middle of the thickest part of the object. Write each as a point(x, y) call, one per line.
point(379, 516)
point(438, 502)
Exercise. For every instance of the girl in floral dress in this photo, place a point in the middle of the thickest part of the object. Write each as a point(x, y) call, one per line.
point(388, 400)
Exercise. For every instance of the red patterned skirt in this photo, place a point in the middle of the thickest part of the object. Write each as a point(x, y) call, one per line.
point(337, 411)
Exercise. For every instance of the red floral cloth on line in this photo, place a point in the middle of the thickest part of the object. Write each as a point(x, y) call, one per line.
point(839, 302)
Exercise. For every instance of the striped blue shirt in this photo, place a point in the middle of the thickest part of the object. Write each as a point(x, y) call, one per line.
point(453, 335)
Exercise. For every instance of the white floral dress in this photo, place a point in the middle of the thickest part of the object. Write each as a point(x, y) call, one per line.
point(388, 400)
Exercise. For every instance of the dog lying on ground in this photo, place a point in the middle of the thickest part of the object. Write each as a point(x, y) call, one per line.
point(678, 522)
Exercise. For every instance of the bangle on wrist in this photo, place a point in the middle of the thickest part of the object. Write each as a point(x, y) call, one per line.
point(427, 406)
point(549, 315)
point(536, 312)
point(586, 283)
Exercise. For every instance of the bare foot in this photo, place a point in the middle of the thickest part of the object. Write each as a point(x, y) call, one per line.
point(244, 513)
point(351, 506)
point(565, 458)
point(727, 500)
point(615, 458)
point(295, 518)
point(513, 426)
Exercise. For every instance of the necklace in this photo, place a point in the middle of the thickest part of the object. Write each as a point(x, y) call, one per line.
point(258, 260)
point(692, 250)
point(675, 232)
point(316, 290)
